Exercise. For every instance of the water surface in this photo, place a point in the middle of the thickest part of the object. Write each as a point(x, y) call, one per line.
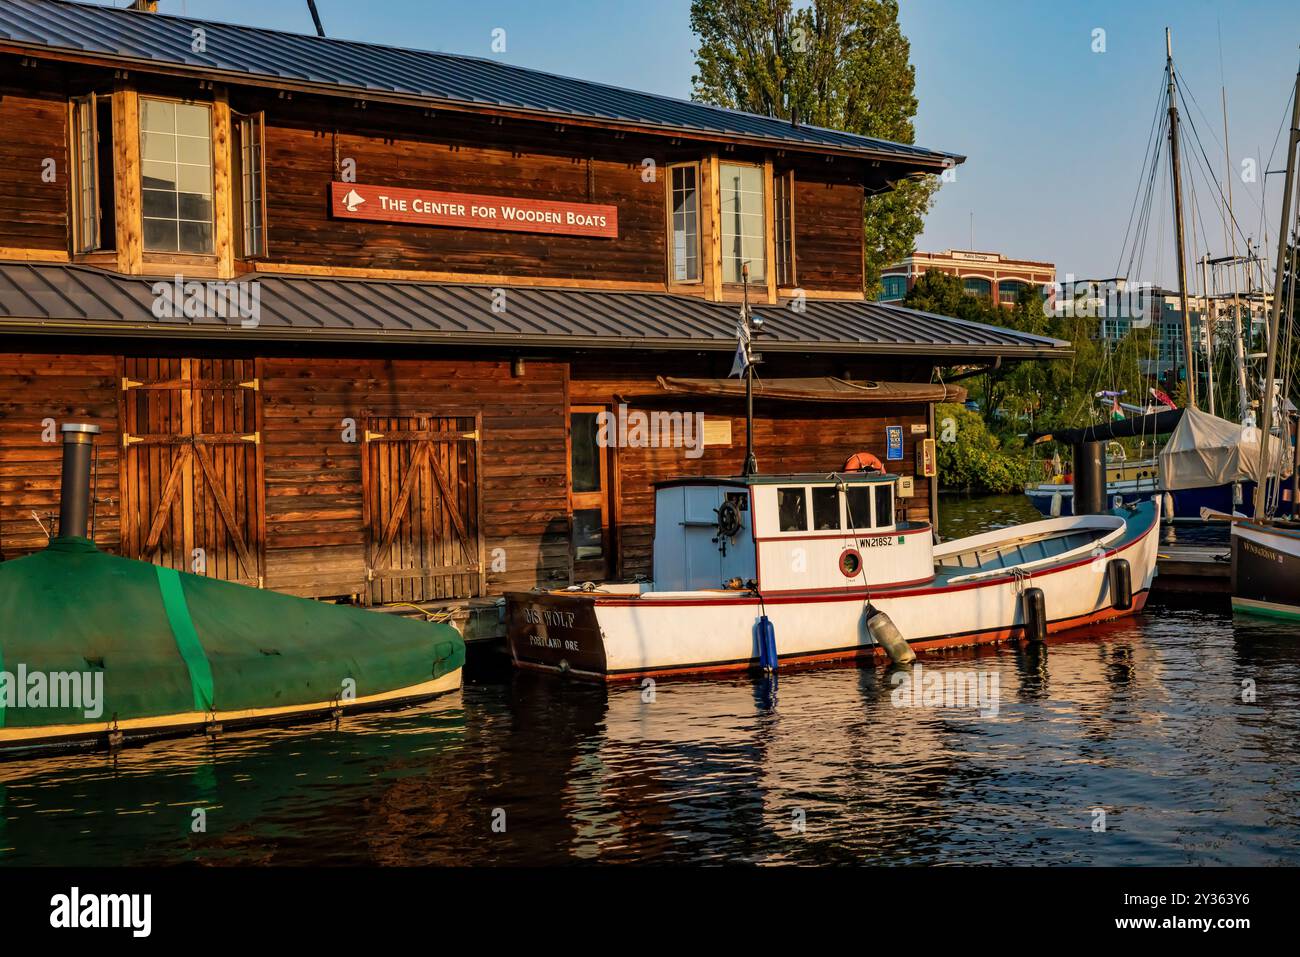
point(1143, 720)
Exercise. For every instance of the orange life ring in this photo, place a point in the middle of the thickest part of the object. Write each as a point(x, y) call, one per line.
point(864, 462)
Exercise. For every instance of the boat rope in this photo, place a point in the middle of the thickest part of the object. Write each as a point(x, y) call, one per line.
point(1022, 579)
point(843, 486)
point(187, 638)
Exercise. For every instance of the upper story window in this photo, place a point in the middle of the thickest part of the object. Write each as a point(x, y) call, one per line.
point(783, 204)
point(93, 226)
point(685, 210)
point(976, 286)
point(251, 131)
point(176, 166)
point(744, 233)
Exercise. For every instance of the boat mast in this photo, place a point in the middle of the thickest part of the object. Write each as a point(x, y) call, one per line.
point(1210, 316)
point(1176, 171)
point(1239, 344)
point(1274, 319)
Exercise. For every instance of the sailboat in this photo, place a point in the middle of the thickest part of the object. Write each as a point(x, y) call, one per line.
point(1266, 552)
point(1208, 466)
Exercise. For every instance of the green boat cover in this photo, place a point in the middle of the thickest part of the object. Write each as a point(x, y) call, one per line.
point(169, 642)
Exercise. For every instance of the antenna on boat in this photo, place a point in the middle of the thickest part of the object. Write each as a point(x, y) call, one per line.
point(1265, 423)
point(747, 347)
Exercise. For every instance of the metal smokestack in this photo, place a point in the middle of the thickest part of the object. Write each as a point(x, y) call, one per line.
point(74, 493)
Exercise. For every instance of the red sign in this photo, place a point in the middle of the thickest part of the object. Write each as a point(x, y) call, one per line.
point(425, 207)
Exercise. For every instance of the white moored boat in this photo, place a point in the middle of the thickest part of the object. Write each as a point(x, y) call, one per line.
point(820, 556)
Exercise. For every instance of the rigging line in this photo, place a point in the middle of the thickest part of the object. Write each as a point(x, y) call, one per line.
point(1201, 146)
point(1196, 132)
point(1138, 252)
point(1263, 186)
point(1146, 154)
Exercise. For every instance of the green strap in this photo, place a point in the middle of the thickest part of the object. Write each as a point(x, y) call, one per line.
point(2, 700)
point(187, 639)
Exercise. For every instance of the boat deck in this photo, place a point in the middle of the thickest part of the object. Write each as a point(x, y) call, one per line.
point(1019, 552)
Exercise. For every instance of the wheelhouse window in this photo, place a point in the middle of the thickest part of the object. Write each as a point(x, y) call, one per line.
point(93, 224)
point(685, 240)
point(783, 203)
point(857, 504)
point(792, 509)
point(252, 175)
point(743, 213)
point(826, 508)
point(176, 161)
point(884, 504)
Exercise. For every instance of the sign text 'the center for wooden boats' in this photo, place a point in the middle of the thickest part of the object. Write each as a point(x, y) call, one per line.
point(424, 207)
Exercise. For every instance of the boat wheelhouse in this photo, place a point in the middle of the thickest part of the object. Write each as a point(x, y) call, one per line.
point(817, 559)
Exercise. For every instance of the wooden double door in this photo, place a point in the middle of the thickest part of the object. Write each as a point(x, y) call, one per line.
point(422, 507)
point(191, 466)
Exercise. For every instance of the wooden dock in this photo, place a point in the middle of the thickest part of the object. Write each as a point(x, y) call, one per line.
point(1188, 568)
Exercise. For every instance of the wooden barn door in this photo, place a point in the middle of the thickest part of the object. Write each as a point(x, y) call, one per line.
point(422, 507)
point(192, 466)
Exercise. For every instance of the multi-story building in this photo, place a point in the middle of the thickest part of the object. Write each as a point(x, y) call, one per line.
point(991, 275)
point(349, 317)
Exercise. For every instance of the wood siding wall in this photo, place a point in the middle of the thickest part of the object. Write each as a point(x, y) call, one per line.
point(315, 535)
point(315, 538)
point(538, 164)
point(61, 388)
point(309, 137)
point(828, 235)
point(34, 121)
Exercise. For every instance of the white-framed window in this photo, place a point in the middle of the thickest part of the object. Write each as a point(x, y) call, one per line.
point(744, 222)
point(684, 227)
point(176, 176)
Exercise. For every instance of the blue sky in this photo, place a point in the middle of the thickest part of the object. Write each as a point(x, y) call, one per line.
point(1054, 132)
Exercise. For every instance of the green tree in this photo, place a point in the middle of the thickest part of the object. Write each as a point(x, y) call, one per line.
point(843, 64)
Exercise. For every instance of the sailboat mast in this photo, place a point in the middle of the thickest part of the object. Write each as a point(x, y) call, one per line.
point(1274, 319)
point(1176, 171)
point(1229, 225)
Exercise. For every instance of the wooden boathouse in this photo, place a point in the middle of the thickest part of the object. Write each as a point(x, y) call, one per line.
point(347, 315)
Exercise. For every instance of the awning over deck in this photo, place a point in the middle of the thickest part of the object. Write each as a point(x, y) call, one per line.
point(814, 389)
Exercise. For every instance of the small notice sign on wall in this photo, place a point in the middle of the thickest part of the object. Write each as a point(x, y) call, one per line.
point(426, 207)
point(717, 431)
point(894, 443)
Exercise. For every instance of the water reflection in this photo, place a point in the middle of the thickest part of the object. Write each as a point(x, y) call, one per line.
point(1179, 725)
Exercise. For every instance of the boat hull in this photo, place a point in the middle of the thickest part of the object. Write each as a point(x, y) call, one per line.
point(15, 742)
point(617, 637)
point(1266, 571)
point(1187, 502)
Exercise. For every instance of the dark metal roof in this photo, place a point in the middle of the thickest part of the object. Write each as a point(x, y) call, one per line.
point(49, 298)
point(334, 65)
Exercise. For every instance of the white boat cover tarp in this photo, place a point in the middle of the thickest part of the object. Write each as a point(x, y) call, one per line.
point(1204, 450)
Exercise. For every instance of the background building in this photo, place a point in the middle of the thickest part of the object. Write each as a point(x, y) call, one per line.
point(983, 274)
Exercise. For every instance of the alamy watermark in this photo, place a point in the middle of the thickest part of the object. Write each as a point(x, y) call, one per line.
point(1100, 300)
point(82, 690)
point(949, 688)
point(215, 299)
point(651, 430)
